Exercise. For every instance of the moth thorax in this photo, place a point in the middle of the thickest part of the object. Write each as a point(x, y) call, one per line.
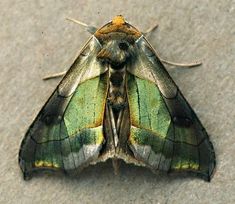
point(116, 88)
point(115, 53)
point(116, 79)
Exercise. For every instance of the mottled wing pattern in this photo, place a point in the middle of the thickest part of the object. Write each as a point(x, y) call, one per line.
point(67, 133)
point(165, 132)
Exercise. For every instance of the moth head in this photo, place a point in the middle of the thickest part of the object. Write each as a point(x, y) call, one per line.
point(118, 40)
point(117, 53)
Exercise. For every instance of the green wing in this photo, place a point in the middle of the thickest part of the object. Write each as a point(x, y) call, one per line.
point(67, 133)
point(165, 132)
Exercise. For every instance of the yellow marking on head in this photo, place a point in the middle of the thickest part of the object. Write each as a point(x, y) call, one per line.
point(118, 20)
point(118, 24)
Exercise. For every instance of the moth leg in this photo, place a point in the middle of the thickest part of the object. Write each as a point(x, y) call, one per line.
point(90, 29)
point(55, 75)
point(150, 29)
point(192, 64)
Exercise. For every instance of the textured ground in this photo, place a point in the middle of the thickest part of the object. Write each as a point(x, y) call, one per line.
point(36, 40)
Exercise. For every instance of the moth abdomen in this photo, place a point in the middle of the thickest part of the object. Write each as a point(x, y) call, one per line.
point(117, 100)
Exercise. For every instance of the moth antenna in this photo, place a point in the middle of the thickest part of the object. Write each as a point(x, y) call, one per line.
point(193, 64)
point(55, 75)
point(90, 29)
point(150, 29)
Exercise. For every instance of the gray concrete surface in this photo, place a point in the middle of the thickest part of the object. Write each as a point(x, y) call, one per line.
point(36, 40)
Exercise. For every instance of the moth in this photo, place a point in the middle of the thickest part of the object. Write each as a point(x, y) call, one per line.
point(117, 101)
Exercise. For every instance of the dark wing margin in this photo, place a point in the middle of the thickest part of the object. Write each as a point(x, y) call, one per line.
point(67, 133)
point(165, 134)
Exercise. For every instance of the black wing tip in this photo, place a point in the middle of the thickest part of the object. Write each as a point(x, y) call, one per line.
point(207, 176)
point(27, 176)
point(212, 165)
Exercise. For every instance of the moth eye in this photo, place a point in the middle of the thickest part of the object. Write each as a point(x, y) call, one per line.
point(123, 46)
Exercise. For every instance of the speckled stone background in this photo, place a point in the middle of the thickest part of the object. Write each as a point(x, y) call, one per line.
point(36, 40)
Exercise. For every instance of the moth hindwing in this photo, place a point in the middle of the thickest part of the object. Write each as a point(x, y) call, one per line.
point(117, 101)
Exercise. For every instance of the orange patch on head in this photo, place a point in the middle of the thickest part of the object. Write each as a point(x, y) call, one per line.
point(118, 20)
point(117, 25)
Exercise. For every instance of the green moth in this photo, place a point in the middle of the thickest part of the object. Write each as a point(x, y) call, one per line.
point(117, 101)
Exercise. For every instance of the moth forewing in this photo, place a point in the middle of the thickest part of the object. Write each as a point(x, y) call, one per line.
point(67, 133)
point(177, 136)
point(117, 101)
